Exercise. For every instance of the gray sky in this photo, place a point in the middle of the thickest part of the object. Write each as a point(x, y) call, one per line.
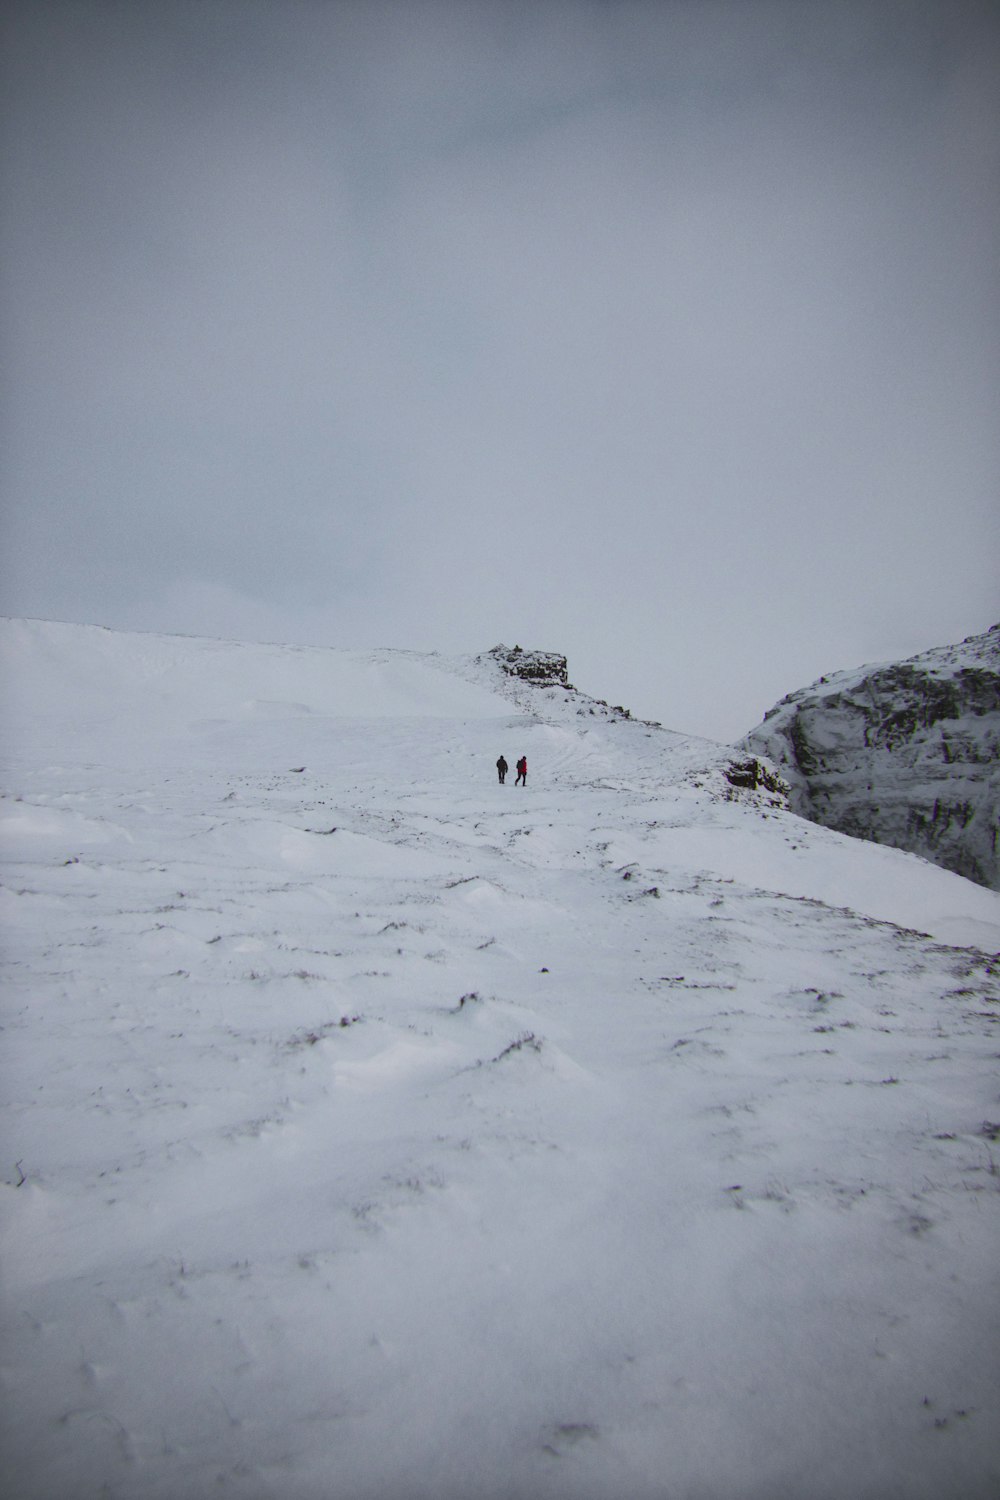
point(663, 334)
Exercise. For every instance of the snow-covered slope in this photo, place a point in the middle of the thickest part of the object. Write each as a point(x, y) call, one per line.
point(372, 1129)
point(906, 753)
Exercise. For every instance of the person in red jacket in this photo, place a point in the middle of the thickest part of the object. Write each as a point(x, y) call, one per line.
point(522, 771)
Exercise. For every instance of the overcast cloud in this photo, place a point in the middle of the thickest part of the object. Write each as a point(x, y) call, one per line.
point(663, 334)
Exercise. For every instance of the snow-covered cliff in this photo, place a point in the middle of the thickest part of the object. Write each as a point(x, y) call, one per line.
point(905, 753)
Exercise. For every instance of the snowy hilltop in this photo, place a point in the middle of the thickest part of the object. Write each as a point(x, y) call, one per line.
point(905, 753)
point(374, 1129)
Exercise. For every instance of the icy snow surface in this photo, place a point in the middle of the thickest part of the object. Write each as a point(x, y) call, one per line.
point(374, 1130)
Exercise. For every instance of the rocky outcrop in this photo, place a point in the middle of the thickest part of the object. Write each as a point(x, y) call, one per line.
point(544, 668)
point(755, 775)
point(906, 753)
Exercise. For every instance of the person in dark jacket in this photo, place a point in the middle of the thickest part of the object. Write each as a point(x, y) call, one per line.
point(522, 771)
point(501, 769)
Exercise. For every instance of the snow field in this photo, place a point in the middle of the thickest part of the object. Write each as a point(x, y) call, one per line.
point(374, 1130)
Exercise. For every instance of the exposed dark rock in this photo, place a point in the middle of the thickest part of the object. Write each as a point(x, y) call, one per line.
point(753, 775)
point(906, 753)
point(544, 668)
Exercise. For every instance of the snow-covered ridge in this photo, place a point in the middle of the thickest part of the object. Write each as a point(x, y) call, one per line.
point(371, 1129)
point(98, 675)
point(905, 753)
point(145, 698)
